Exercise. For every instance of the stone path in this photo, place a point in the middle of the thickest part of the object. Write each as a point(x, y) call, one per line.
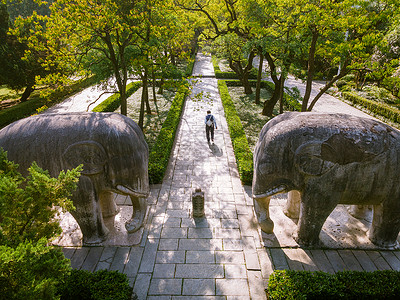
point(220, 256)
point(85, 100)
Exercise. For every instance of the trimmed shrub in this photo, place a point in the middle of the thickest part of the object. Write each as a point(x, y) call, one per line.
point(382, 109)
point(103, 284)
point(229, 75)
point(160, 153)
point(26, 109)
point(289, 284)
point(341, 83)
point(114, 101)
point(19, 111)
point(243, 154)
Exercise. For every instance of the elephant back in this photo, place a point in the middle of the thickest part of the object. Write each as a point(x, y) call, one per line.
point(340, 132)
point(45, 138)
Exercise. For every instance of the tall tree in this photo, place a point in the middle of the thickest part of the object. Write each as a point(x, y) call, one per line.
point(20, 60)
point(223, 20)
point(302, 33)
point(100, 36)
point(358, 28)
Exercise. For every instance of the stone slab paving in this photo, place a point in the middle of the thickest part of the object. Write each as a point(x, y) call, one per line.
point(220, 256)
point(85, 100)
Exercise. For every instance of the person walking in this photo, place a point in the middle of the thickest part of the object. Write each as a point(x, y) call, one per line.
point(210, 124)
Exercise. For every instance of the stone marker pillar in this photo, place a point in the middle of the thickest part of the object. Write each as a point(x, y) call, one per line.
point(198, 203)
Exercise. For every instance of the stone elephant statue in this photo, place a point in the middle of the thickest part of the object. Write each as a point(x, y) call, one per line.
point(111, 148)
point(329, 159)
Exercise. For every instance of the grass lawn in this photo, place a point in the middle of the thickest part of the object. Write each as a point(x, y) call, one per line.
point(250, 113)
point(10, 97)
point(152, 123)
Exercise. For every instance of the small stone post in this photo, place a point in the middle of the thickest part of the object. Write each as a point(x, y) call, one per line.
point(198, 203)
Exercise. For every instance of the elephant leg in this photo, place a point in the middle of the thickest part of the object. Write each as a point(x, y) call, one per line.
point(88, 213)
point(385, 227)
point(261, 207)
point(292, 209)
point(139, 207)
point(108, 205)
point(314, 210)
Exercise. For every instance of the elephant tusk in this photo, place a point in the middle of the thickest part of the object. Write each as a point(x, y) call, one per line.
point(271, 192)
point(128, 191)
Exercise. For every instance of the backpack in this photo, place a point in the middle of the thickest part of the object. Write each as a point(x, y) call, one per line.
point(210, 120)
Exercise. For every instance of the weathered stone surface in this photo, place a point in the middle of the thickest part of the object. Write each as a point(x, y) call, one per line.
point(330, 159)
point(112, 150)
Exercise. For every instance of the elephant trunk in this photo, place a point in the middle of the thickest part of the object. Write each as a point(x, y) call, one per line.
point(127, 191)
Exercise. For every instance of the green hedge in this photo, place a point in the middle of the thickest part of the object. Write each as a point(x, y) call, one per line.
point(159, 154)
point(243, 154)
point(382, 109)
point(289, 284)
point(103, 284)
point(114, 101)
point(229, 75)
point(26, 109)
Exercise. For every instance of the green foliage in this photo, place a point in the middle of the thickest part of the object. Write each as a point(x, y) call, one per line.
point(25, 109)
point(382, 109)
point(341, 83)
point(292, 100)
point(393, 85)
point(103, 284)
point(244, 156)
point(288, 284)
point(27, 205)
point(159, 154)
point(114, 101)
point(31, 270)
point(20, 62)
point(349, 77)
point(29, 267)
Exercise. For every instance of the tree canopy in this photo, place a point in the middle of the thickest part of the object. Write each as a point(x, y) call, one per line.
point(325, 39)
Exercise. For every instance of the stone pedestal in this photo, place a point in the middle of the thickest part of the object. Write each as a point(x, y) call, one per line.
point(198, 203)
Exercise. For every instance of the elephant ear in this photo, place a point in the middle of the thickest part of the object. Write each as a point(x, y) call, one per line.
point(316, 158)
point(343, 150)
point(89, 153)
point(308, 160)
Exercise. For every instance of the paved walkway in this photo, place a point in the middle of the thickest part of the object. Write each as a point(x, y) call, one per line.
point(85, 100)
point(221, 256)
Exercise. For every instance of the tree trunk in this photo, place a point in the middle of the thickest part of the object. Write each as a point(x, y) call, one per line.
point(243, 72)
point(124, 105)
point(25, 95)
point(259, 77)
point(145, 92)
point(161, 88)
point(311, 70)
point(247, 86)
point(281, 87)
point(120, 71)
point(154, 87)
point(141, 114)
point(342, 73)
point(270, 104)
